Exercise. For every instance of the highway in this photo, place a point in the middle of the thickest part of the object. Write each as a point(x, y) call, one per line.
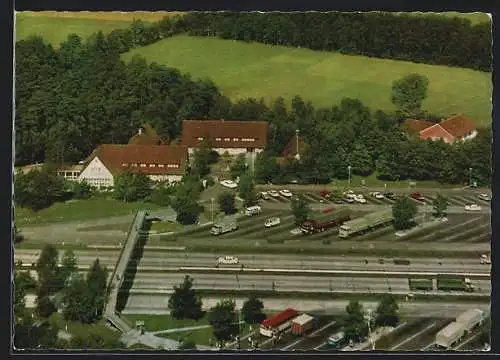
point(154, 258)
point(153, 282)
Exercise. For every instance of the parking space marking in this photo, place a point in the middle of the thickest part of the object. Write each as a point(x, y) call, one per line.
point(467, 341)
point(312, 334)
point(412, 337)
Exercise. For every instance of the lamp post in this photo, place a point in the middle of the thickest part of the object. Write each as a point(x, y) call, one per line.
point(470, 176)
point(212, 209)
point(368, 318)
point(349, 169)
point(322, 207)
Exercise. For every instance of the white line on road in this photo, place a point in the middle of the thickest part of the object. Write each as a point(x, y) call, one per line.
point(314, 333)
point(412, 337)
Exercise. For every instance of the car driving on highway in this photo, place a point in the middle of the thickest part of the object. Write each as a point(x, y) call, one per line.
point(227, 260)
point(472, 207)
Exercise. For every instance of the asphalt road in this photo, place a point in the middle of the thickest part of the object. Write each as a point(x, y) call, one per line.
point(158, 305)
point(161, 282)
point(152, 258)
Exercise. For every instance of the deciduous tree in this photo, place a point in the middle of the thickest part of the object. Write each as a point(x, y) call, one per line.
point(252, 310)
point(440, 205)
point(226, 202)
point(408, 93)
point(224, 321)
point(387, 311)
point(404, 211)
point(300, 209)
point(239, 167)
point(356, 327)
point(184, 303)
point(246, 189)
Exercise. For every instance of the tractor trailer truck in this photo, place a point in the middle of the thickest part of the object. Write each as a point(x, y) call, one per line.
point(365, 223)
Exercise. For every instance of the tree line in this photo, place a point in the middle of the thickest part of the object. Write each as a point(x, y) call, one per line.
point(430, 39)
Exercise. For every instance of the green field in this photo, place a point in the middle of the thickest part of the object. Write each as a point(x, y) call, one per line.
point(244, 70)
point(72, 210)
point(55, 26)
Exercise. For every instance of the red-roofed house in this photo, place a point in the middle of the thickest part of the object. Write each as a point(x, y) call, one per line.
point(158, 162)
point(234, 137)
point(457, 127)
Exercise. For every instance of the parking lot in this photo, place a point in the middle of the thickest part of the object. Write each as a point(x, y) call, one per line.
point(412, 334)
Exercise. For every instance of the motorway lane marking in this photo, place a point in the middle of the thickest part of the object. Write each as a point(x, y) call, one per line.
point(312, 334)
point(412, 337)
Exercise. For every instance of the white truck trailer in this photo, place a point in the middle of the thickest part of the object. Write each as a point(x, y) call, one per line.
point(365, 223)
point(450, 335)
point(222, 228)
point(471, 318)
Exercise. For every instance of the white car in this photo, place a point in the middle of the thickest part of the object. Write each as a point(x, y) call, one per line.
point(227, 260)
point(286, 193)
point(274, 193)
point(484, 197)
point(360, 198)
point(272, 222)
point(377, 195)
point(472, 207)
point(229, 184)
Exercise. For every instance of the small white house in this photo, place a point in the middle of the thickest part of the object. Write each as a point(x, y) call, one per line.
point(158, 162)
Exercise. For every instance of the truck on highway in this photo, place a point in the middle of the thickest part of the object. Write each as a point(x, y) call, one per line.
point(455, 284)
point(224, 227)
point(471, 319)
point(335, 219)
point(450, 335)
point(366, 223)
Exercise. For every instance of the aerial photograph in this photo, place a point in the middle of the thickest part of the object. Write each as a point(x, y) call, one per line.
point(252, 181)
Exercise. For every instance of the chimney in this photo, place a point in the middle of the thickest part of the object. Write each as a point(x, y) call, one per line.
point(140, 131)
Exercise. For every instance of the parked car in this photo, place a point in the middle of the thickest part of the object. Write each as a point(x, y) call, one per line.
point(227, 260)
point(325, 193)
point(390, 195)
point(360, 198)
point(472, 207)
point(253, 210)
point(417, 196)
point(272, 222)
point(264, 195)
point(377, 195)
point(229, 184)
point(274, 193)
point(347, 199)
point(484, 197)
point(286, 193)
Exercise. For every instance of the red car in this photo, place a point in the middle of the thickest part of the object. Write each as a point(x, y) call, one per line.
point(417, 196)
point(325, 193)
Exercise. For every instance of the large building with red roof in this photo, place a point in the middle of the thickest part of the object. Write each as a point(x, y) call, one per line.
point(456, 128)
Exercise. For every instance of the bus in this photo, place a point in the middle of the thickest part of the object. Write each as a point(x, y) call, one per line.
point(279, 323)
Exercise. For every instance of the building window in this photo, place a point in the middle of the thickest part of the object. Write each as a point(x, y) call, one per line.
point(218, 139)
point(161, 165)
point(134, 165)
point(152, 165)
point(227, 139)
point(236, 139)
point(143, 165)
point(124, 164)
point(200, 138)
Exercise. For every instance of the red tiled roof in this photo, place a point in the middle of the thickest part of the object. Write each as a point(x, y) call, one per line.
point(148, 136)
point(458, 125)
point(291, 148)
point(235, 131)
point(115, 156)
point(280, 318)
point(417, 125)
point(436, 131)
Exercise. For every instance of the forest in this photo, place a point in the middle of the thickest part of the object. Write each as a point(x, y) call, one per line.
point(71, 99)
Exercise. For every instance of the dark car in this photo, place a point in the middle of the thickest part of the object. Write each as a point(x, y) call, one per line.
point(390, 196)
point(325, 193)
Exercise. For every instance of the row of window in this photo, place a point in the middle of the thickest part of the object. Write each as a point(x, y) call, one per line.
point(229, 139)
point(153, 165)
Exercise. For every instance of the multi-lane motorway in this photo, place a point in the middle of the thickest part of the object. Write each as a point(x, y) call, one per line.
point(155, 258)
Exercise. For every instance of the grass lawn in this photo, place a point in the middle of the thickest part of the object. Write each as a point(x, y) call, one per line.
point(244, 70)
point(72, 210)
point(76, 328)
point(165, 226)
point(55, 26)
point(164, 322)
